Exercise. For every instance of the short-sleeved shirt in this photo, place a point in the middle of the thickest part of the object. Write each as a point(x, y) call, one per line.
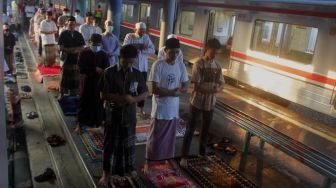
point(86, 30)
point(170, 77)
point(116, 81)
point(205, 73)
point(9, 41)
point(46, 26)
point(30, 11)
point(70, 39)
point(110, 44)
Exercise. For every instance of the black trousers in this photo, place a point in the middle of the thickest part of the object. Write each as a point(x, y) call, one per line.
point(141, 104)
point(195, 114)
point(40, 46)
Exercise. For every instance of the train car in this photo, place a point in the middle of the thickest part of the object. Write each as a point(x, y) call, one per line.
point(274, 46)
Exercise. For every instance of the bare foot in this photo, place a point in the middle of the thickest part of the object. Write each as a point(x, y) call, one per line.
point(184, 162)
point(103, 181)
point(146, 168)
point(134, 174)
point(78, 130)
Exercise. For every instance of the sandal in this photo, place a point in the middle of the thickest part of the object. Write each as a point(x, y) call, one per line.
point(26, 88)
point(55, 140)
point(48, 174)
point(230, 150)
point(25, 96)
point(31, 115)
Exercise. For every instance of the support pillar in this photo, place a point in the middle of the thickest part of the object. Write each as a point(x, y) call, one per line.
point(116, 15)
point(167, 24)
point(81, 5)
point(3, 137)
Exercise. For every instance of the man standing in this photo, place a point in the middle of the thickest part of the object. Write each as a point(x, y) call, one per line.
point(62, 19)
point(162, 52)
point(92, 62)
point(145, 48)
point(87, 28)
point(110, 43)
point(79, 19)
point(9, 43)
point(29, 13)
point(169, 79)
point(48, 30)
point(121, 87)
point(71, 44)
point(208, 80)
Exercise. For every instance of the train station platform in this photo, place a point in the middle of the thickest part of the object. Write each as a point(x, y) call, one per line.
point(75, 166)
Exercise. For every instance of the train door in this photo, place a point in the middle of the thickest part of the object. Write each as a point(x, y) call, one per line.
point(145, 13)
point(221, 26)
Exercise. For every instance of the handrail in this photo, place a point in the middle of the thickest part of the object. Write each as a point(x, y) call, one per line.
point(299, 151)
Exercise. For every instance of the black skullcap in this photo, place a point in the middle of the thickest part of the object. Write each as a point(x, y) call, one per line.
point(49, 13)
point(128, 51)
point(172, 43)
point(71, 19)
point(77, 10)
point(66, 9)
point(96, 38)
point(213, 44)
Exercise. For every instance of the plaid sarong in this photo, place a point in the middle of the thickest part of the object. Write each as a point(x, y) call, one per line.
point(119, 149)
point(49, 54)
point(69, 78)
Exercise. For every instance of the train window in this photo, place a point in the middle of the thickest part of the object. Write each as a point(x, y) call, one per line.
point(221, 27)
point(299, 43)
point(287, 41)
point(127, 12)
point(267, 37)
point(144, 12)
point(187, 23)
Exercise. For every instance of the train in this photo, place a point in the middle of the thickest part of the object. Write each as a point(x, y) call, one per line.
point(281, 47)
point(285, 48)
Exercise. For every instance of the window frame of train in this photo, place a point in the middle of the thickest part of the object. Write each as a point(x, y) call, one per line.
point(145, 17)
point(126, 15)
point(190, 27)
point(275, 38)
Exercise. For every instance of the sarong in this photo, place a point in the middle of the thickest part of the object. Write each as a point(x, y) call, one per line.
point(70, 78)
point(49, 54)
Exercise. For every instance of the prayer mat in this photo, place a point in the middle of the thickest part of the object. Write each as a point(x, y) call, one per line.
point(213, 172)
point(47, 71)
point(163, 175)
point(93, 142)
point(69, 105)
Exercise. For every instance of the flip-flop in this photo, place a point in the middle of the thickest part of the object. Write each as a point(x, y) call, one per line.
point(25, 96)
point(230, 150)
point(26, 88)
point(55, 140)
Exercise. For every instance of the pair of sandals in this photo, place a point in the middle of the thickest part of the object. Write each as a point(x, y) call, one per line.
point(32, 115)
point(55, 140)
point(223, 146)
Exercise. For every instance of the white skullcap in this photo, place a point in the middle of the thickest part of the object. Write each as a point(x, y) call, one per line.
point(108, 21)
point(140, 25)
point(172, 36)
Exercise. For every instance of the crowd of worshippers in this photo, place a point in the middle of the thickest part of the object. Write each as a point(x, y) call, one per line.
point(111, 82)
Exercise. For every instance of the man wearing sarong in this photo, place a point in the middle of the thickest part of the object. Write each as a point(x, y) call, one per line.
point(71, 43)
point(208, 80)
point(121, 87)
point(145, 48)
point(92, 62)
point(169, 79)
point(48, 30)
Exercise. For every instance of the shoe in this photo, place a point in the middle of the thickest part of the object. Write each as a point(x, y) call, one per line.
point(26, 88)
point(48, 174)
point(55, 140)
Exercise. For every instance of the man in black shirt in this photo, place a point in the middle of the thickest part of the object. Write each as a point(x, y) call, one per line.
point(121, 87)
point(71, 43)
point(9, 43)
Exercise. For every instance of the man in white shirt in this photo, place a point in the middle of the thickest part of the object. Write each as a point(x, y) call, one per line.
point(79, 19)
point(169, 79)
point(87, 28)
point(145, 48)
point(48, 30)
point(97, 29)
